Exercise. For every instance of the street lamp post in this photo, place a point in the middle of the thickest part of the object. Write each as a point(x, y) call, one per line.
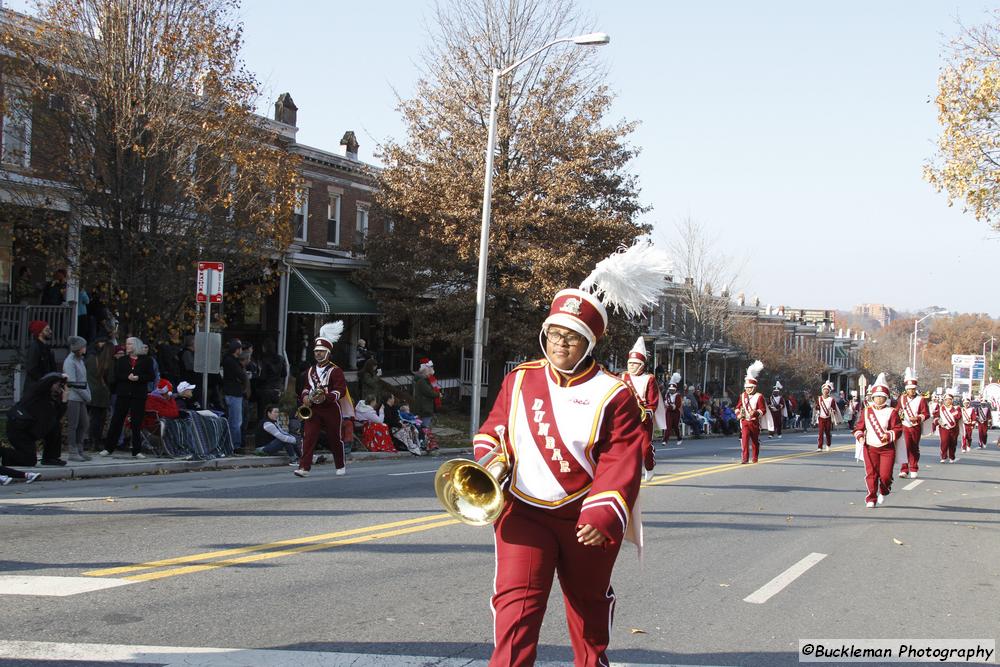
point(590, 39)
point(914, 363)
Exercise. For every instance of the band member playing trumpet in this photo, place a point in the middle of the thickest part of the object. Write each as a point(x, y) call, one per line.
point(575, 439)
point(875, 431)
point(915, 415)
point(647, 393)
point(968, 423)
point(948, 421)
point(325, 395)
point(753, 414)
point(827, 414)
point(984, 417)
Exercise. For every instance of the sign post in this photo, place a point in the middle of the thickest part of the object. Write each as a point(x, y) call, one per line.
point(209, 291)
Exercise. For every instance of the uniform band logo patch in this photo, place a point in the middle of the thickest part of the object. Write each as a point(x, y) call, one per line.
point(571, 305)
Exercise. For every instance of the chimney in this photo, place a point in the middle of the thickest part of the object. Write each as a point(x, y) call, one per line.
point(285, 110)
point(349, 145)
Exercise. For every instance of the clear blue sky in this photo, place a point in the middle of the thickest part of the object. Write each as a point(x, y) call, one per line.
point(795, 132)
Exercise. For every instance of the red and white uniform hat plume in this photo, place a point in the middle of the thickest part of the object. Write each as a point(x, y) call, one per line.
point(638, 351)
point(880, 387)
point(909, 379)
point(951, 391)
point(328, 335)
point(675, 380)
point(753, 371)
point(627, 281)
point(827, 385)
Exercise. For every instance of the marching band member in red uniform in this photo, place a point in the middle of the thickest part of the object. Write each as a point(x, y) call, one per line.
point(827, 414)
point(778, 405)
point(753, 414)
point(875, 431)
point(574, 440)
point(647, 392)
point(984, 417)
point(673, 404)
point(915, 417)
point(948, 422)
point(968, 422)
point(325, 393)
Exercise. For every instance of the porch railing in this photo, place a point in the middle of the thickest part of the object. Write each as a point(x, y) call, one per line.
point(14, 319)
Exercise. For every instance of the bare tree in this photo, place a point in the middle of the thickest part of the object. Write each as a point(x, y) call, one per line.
point(144, 110)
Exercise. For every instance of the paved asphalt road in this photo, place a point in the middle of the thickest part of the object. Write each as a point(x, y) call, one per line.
point(368, 565)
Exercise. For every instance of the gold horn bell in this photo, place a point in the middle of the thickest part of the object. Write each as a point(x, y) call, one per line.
point(471, 490)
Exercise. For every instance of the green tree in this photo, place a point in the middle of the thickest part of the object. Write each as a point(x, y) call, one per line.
point(563, 195)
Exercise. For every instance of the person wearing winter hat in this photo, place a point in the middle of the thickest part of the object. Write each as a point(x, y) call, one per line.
point(40, 360)
point(875, 433)
point(827, 416)
point(778, 406)
point(984, 419)
point(948, 422)
point(753, 414)
point(77, 418)
point(573, 437)
point(673, 404)
point(325, 393)
point(915, 416)
point(968, 422)
point(647, 393)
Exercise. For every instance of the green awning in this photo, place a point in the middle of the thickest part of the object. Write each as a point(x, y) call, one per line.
point(312, 291)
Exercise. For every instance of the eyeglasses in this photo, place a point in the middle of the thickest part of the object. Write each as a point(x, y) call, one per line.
point(569, 339)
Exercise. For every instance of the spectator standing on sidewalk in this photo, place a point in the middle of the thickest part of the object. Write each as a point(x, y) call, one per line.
point(100, 367)
point(77, 419)
point(368, 378)
point(37, 416)
point(424, 397)
point(40, 361)
point(234, 379)
point(272, 375)
point(133, 372)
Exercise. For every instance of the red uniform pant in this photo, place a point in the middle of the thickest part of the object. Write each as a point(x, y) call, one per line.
point(326, 419)
point(777, 419)
point(949, 441)
point(967, 437)
point(879, 462)
point(749, 435)
point(824, 429)
point(648, 457)
point(673, 426)
point(911, 436)
point(983, 428)
point(531, 545)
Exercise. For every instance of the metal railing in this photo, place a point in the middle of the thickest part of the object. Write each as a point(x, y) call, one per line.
point(14, 319)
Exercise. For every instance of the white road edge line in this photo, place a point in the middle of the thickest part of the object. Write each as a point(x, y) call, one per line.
point(912, 485)
point(178, 656)
point(419, 472)
point(47, 586)
point(771, 588)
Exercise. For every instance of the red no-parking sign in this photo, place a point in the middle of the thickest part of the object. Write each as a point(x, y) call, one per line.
point(210, 282)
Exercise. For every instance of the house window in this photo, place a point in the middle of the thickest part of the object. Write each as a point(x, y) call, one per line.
point(361, 230)
point(16, 147)
point(301, 216)
point(333, 221)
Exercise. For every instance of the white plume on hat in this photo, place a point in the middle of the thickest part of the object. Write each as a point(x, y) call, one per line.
point(753, 370)
point(629, 279)
point(777, 385)
point(909, 378)
point(675, 379)
point(329, 334)
point(829, 384)
point(951, 391)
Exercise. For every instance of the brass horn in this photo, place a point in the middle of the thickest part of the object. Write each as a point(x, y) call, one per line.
point(304, 412)
point(471, 491)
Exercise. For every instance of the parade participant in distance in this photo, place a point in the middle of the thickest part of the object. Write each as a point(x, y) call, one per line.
point(827, 415)
point(574, 436)
point(673, 405)
point(984, 417)
point(875, 431)
point(647, 392)
point(325, 393)
point(914, 415)
point(948, 423)
point(753, 414)
point(968, 423)
point(778, 405)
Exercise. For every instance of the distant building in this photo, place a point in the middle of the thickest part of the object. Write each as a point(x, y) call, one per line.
point(879, 312)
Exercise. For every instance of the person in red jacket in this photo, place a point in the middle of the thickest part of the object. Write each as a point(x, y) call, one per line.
point(948, 423)
point(968, 423)
point(753, 414)
point(875, 432)
point(574, 436)
point(914, 415)
point(984, 418)
point(325, 393)
point(827, 415)
point(647, 393)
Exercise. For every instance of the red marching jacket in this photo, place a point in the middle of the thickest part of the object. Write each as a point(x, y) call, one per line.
point(574, 442)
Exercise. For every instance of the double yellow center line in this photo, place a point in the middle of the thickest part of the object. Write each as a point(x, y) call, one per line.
point(172, 567)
